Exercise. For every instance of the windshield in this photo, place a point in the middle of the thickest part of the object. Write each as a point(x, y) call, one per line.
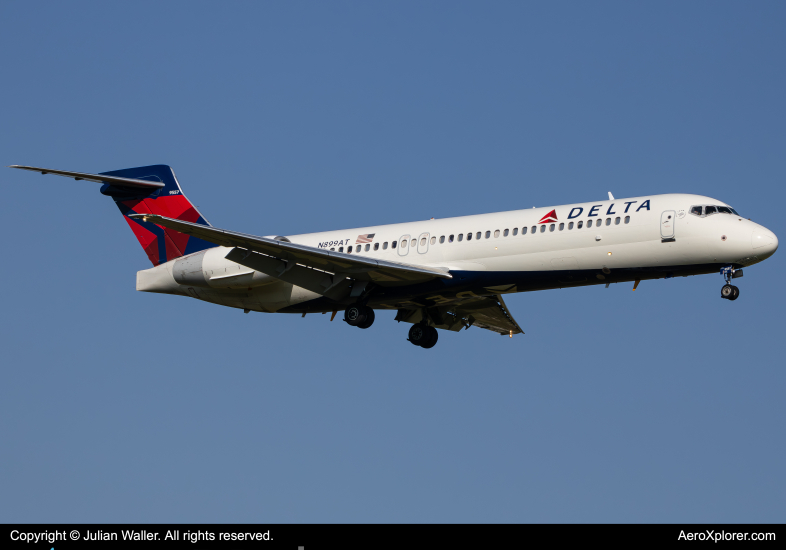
point(708, 210)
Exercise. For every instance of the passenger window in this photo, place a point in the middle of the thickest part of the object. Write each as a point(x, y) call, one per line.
point(551, 227)
point(580, 225)
point(385, 245)
point(376, 246)
point(469, 236)
point(542, 228)
point(393, 244)
point(433, 240)
point(598, 223)
point(442, 239)
point(516, 231)
point(709, 210)
point(627, 219)
point(505, 234)
point(450, 239)
point(617, 220)
point(461, 237)
point(341, 249)
point(477, 235)
point(695, 210)
point(404, 243)
point(496, 233)
point(414, 242)
point(349, 250)
point(570, 226)
point(724, 210)
point(533, 229)
point(333, 249)
point(608, 221)
point(561, 226)
point(523, 231)
point(367, 247)
point(423, 241)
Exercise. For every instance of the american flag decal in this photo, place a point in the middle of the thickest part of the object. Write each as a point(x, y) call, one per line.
point(367, 238)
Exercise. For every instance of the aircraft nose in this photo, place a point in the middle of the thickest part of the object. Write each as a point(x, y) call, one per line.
point(764, 241)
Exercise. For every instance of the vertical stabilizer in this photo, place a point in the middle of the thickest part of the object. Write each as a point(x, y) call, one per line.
point(160, 244)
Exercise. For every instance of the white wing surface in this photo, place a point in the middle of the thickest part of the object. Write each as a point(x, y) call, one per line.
point(289, 254)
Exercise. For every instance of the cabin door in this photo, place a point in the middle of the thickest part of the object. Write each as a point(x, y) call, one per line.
point(423, 243)
point(403, 245)
point(667, 225)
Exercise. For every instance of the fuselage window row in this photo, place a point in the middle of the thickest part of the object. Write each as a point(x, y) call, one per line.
point(524, 230)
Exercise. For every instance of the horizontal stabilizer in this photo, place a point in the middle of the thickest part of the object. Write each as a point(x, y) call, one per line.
point(99, 178)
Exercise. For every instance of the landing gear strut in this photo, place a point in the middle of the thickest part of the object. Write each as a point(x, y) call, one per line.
point(359, 316)
point(423, 335)
point(729, 291)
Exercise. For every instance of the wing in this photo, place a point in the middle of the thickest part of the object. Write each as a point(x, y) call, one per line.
point(99, 178)
point(290, 254)
point(490, 313)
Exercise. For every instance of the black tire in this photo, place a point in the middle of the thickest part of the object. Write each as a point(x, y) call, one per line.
point(369, 318)
point(727, 292)
point(735, 293)
point(356, 315)
point(433, 337)
point(419, 334)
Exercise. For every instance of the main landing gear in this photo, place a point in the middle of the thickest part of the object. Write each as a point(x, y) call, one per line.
point(359, 316)
point(420, 334)
point(729, 291)
point(423, 335)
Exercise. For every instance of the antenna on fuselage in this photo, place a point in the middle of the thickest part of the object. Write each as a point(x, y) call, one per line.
point(611, 197)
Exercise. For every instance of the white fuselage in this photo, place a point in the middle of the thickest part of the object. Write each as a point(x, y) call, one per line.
point(582, 244)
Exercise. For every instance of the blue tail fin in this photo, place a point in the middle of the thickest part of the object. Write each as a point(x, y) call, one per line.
point(160, 244)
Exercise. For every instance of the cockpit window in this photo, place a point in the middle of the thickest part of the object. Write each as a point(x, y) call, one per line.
point(708, 210)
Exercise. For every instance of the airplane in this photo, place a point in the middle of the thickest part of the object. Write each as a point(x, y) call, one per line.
point(447, 274)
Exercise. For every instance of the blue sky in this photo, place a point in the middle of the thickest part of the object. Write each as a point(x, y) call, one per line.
point(663, 405)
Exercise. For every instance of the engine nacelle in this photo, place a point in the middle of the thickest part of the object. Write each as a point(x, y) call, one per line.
point(210, 269)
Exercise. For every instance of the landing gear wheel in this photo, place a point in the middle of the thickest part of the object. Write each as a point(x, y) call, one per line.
point(727, 292)
point(359, 316)
point(418, 334)
point(735, 293)
point(434, 336)
point(369, 318)
point(423, 335)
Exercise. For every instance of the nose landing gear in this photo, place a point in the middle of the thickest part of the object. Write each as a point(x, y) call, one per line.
point(729, 291)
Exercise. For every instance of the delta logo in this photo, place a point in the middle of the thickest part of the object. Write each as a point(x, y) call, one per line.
point(550, 217)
